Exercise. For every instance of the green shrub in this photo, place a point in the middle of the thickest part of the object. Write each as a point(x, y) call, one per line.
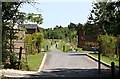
point(33, 42)
point(24, 65)
point(108, 44)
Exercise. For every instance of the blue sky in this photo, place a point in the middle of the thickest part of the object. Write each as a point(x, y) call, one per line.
point(60, 13)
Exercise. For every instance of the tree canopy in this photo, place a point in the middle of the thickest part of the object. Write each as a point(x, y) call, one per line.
point(106, 16)
point(10, 16)
point(60, 32)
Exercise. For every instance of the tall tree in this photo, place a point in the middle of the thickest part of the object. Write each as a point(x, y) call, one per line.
point(105, 15)
point(9, 10)
point(11, 16)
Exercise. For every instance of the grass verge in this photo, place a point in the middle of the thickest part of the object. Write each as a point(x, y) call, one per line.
point(106, 59)
point(34, 61)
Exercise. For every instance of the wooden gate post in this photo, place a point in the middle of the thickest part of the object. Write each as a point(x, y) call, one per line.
point(56, 45)
point(99, 50)
point(63, 48)
point(119, 57)
point(47, 47)
point(112, 70)
point(20, 54)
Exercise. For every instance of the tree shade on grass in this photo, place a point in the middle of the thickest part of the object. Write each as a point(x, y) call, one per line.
point(34, 61)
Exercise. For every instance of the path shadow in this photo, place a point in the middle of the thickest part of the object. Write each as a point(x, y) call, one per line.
point(79, 54)
point(73, 73)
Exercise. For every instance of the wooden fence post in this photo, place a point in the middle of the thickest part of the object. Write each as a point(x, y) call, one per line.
point(99, 66)
point(56, 45)
point(112, 70)
point(63, 48)
point(20, 54)
point(47, 47)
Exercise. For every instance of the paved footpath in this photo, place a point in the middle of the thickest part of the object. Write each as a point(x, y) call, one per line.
point(59, 64)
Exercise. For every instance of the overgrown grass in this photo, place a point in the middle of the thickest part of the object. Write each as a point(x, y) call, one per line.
point(106, 59)
point(34, 61)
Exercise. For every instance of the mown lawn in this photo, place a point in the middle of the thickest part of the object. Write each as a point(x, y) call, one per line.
point(34, 61)
point(106, 59)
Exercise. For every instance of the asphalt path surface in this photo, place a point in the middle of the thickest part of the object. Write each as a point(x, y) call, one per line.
point(60, 64)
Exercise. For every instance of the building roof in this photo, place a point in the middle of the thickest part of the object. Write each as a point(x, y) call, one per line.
point(30, 26)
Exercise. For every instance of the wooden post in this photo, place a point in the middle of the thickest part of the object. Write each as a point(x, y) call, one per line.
point(63, 48)
point(56, 45)
point(47, 47)
point(112, 70)
point(20, 54)
point(119, 57)
point(1, 34)
point(99, 67)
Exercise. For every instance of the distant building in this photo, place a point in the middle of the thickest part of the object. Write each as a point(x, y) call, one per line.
point(83, 38)
point(31, 28)
point(21, 31)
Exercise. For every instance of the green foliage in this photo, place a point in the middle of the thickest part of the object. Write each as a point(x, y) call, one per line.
point(108, 45)
point(33, 42)
point(46, 43)
point(79, 49)
point(59, 32)
point(9, 11)
point(28, 43)
point(24, 65)
point(11, 16)
point(32, 17)
point(13, 64)
point(61, 44)
point(106, 16)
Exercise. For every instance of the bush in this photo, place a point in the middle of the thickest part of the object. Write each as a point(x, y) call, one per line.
point(33, 42)
point(108, 44)
point(11, 62)
point(24, 65)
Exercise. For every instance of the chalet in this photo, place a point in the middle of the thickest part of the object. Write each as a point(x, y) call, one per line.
point(28, 29)
point(31, 28)
point(83, 38)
